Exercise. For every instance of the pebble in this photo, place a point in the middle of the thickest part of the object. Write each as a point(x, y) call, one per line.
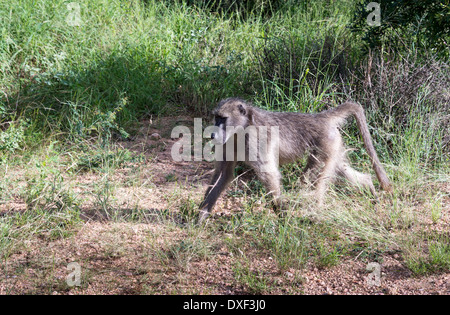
point(155, 136)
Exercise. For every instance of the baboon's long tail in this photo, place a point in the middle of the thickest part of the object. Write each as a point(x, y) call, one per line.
point(349, 108)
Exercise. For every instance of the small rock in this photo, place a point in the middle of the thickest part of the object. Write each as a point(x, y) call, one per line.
point(155, 136)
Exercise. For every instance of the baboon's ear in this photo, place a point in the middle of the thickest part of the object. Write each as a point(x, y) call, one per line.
point(242, 109)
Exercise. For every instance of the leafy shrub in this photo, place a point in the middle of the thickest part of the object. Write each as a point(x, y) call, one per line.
point(12, 137)
point(428, 21)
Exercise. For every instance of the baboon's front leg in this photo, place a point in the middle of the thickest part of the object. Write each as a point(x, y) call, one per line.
point(223, 175)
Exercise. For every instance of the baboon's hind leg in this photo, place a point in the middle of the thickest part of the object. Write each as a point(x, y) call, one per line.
point(270, 176)
point(331, 154)
point(357, 179)
point(327, 174)
point(310, 172)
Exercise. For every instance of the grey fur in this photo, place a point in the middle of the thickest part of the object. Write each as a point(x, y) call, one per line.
point(299, 134)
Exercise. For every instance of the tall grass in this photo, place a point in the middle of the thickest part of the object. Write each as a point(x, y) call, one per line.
point(162, 57)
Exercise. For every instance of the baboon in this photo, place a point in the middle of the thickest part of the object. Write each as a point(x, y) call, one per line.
point(298, 134)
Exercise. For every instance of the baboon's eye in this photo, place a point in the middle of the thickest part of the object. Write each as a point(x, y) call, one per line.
point(242, 109)
point(220, 120)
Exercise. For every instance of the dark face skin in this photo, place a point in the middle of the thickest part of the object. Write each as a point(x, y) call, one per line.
point(219, 120)
point(230, 112)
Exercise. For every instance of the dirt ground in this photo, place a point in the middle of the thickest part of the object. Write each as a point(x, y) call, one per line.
point(117, 257)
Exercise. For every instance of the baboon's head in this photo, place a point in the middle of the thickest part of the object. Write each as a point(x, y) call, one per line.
point(231, 112)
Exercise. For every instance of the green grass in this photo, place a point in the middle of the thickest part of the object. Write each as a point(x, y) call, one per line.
point(168, 57)
point(69, 94)
point(429, 255)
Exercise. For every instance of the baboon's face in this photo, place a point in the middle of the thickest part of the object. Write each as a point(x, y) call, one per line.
point(227, 116)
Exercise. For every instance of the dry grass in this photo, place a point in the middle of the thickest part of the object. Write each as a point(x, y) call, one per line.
point(132, 230)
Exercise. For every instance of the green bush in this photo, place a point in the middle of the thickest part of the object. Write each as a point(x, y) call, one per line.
point(12, 137)
point(426, 22)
